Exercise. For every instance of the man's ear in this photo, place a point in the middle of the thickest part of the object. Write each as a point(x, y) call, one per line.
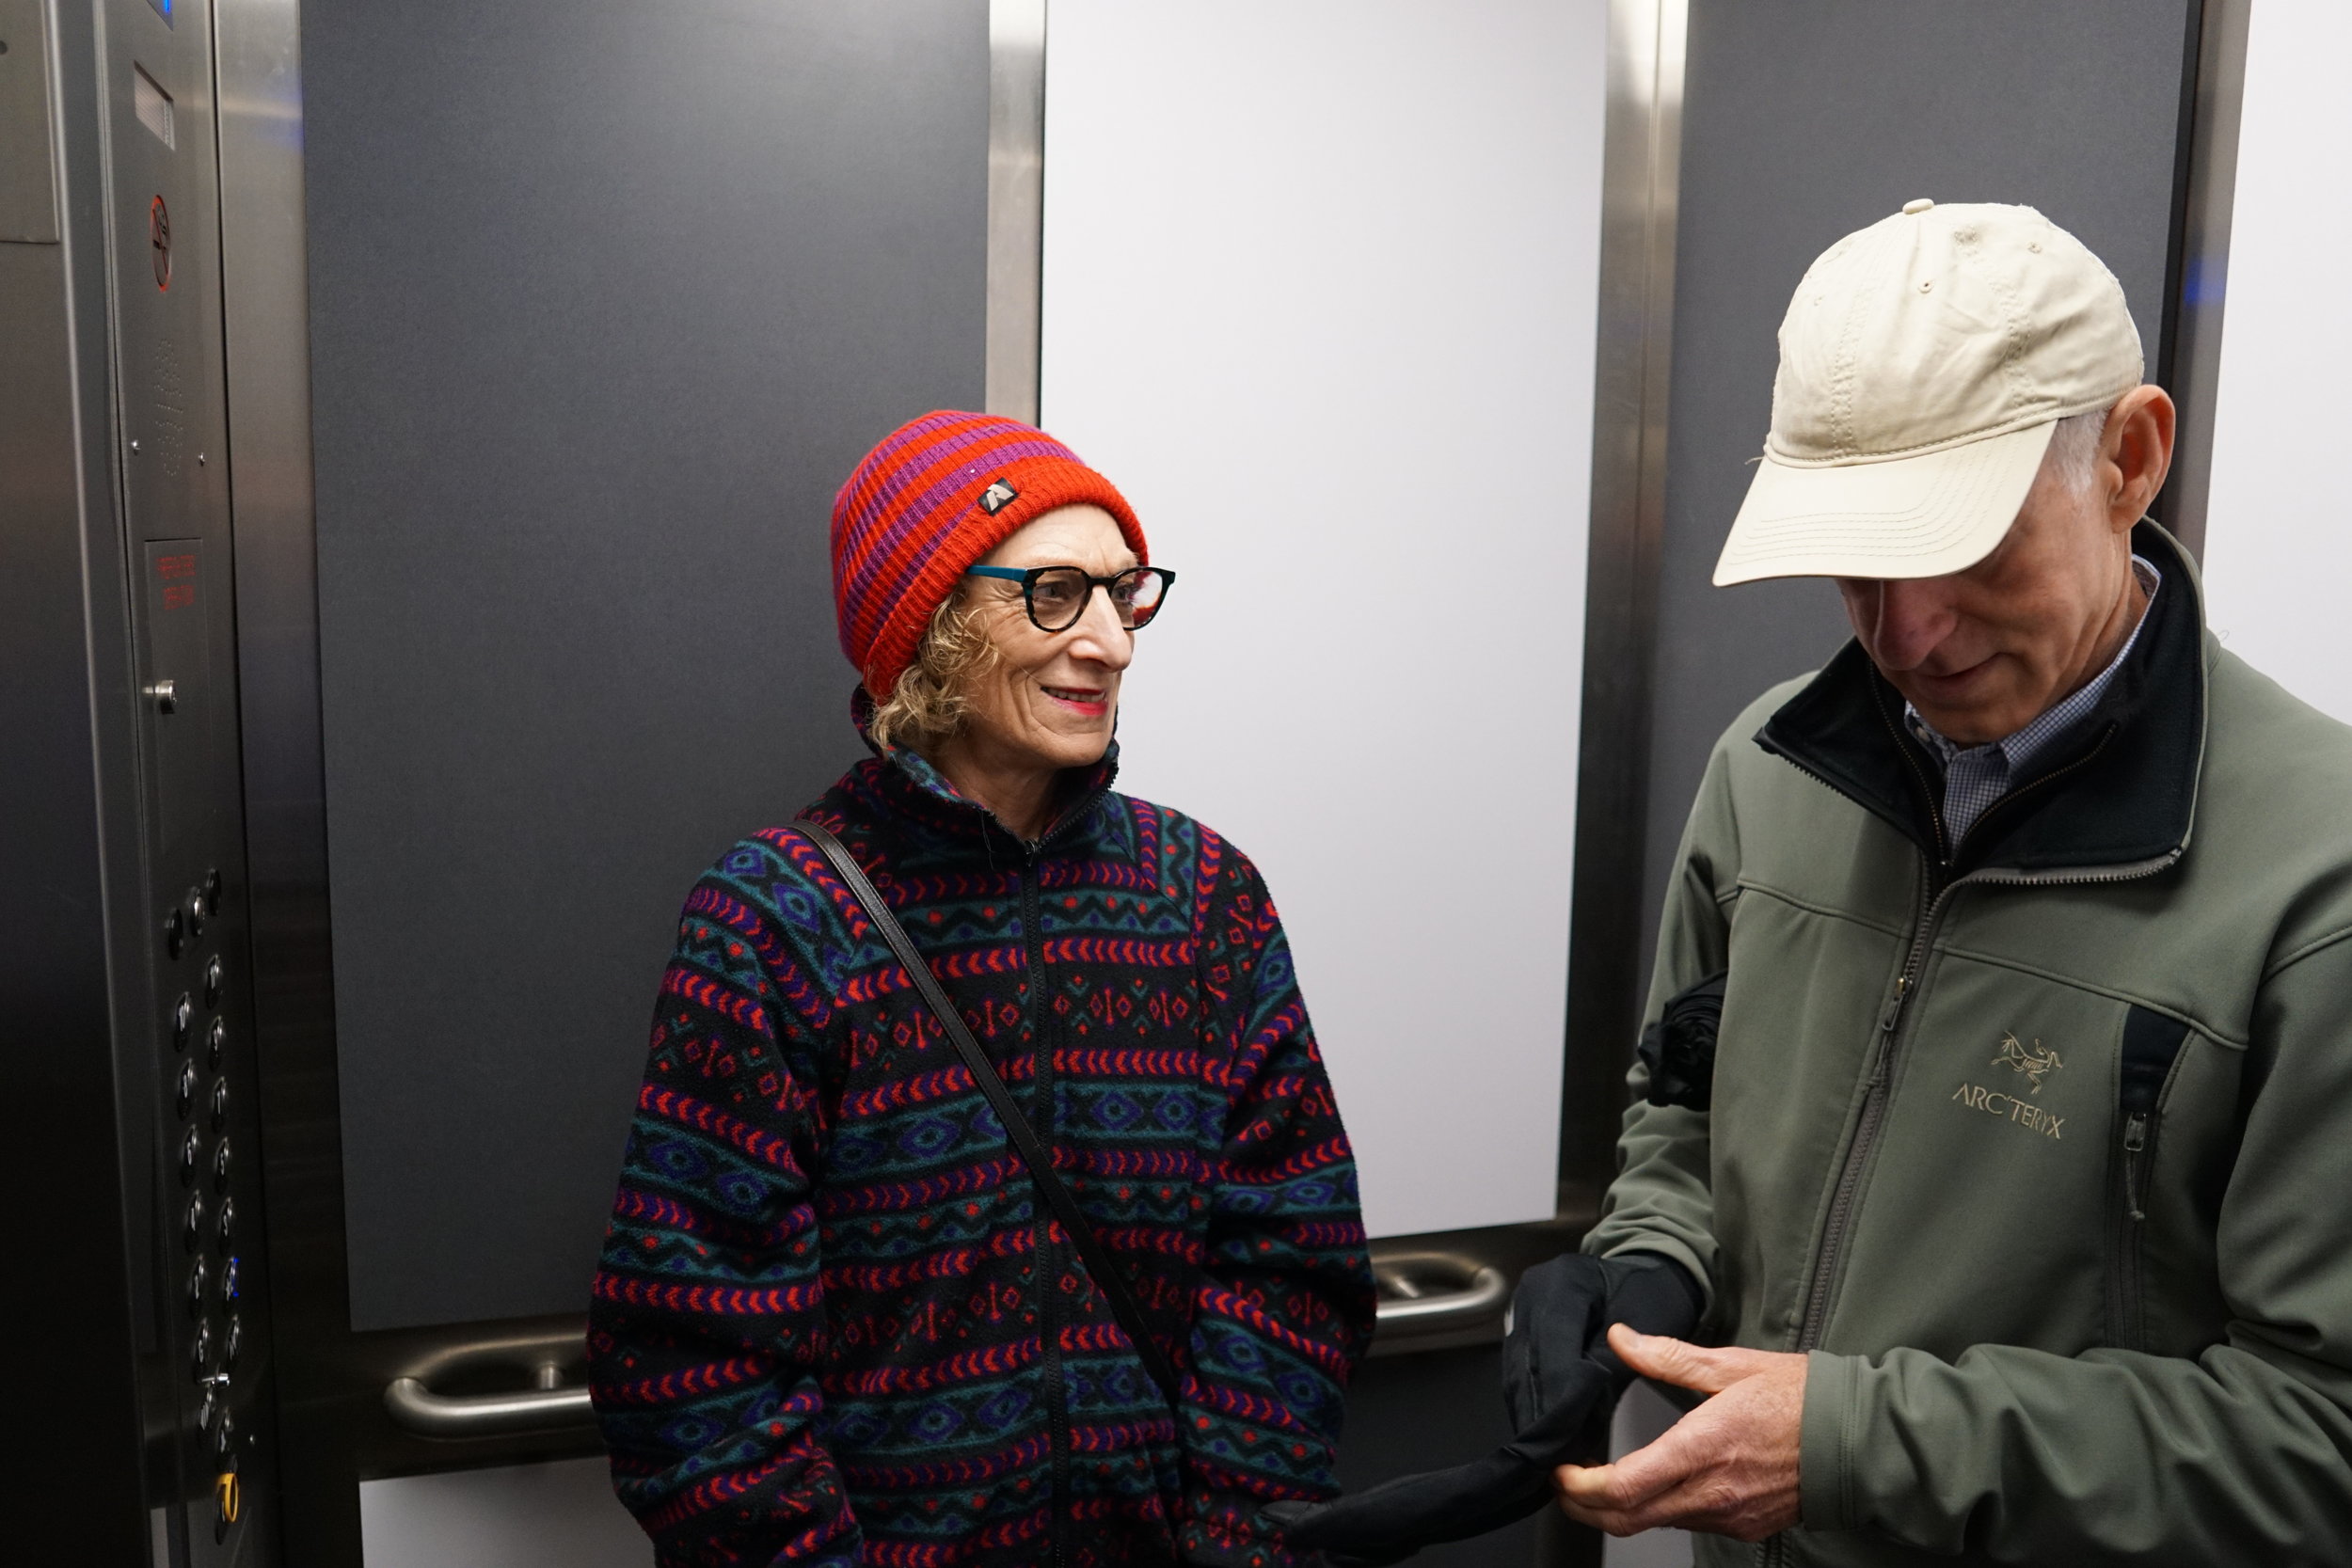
point(2136, 448)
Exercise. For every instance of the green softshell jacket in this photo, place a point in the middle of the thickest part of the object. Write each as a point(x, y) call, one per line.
point(2039, 1143)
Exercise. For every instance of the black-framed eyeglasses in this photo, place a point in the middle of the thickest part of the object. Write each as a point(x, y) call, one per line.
point(1058, 595)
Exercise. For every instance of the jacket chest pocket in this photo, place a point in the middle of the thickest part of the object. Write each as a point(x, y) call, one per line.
point(1997, 1204)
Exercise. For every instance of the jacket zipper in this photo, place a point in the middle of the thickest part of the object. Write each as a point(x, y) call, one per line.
point(1933, 889)
point(1048, 1259)
point(1884, 1050)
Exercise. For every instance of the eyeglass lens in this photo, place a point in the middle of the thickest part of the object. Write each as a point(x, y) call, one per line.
point(1058, 595)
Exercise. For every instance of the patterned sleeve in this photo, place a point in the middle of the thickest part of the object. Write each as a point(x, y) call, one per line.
point(1284, 1307)
point(707, 1325)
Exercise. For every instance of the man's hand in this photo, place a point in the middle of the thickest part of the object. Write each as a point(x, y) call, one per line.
point(1728, 1467)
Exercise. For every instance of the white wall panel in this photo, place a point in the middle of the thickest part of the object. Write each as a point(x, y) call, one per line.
point(1319, 294)
point(2278, 552)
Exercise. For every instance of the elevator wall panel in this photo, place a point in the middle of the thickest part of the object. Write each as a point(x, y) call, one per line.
point(1365, 447)
point(1803, 120)
point(606, 299)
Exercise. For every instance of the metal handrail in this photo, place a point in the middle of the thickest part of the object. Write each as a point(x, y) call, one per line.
point(1430, 1293)
point(411, 1403)
point(427, 1414)
point(1421, 1294)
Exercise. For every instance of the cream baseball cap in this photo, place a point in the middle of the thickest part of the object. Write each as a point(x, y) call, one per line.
point(1923, 364)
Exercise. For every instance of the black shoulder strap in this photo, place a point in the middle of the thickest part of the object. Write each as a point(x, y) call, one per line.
point(1022, 1138)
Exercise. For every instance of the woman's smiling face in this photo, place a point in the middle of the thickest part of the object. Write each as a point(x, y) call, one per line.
point(1049, 699)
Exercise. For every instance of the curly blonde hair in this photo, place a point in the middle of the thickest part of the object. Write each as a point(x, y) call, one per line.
point(934, 695)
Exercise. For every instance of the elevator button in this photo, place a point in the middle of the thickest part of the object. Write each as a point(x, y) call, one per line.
point(231, 1343)
point(198, 909)
point(196, 1222)
point(227, 1282)
point(225, 1502)
point(200, 1352)
point(191, 1153)
point(225, 1435)
point(227, 1225)
point(175, 932)
point(220, 1101)
point(220, 1163)
point(216, 1043)
point(212, 887)
point(214, 977)
point(186, 1094)
point(198, 1274)
point(183, 1021)
point(210, 1412)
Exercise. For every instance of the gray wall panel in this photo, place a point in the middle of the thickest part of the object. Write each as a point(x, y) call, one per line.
point(1805, 119)
point(606, 299)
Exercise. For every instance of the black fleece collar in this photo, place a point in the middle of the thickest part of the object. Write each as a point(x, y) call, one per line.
point(2123, 794)
point(915, 791)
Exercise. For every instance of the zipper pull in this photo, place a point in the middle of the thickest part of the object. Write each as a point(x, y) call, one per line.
point(1892, 1013)
point(2135, 1140)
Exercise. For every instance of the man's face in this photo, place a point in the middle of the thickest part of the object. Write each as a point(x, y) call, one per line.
point(1982, 653)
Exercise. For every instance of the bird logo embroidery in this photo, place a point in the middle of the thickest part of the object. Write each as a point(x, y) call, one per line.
point(2033, 1064)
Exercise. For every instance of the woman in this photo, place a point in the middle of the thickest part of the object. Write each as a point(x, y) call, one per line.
point(833, 1324)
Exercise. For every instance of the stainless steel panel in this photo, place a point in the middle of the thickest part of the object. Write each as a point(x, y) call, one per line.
point(164, 207)
point(265, 312)
point(28, 182)
point(2208, 151)
point(176, 689)
point(62, 663)
point(1016, 204)
point(1643, 152)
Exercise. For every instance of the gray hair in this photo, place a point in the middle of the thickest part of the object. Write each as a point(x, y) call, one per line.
point(2072, 457)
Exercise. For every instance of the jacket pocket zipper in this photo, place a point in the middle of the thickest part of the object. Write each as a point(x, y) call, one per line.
point(2134, 1145)
point(2150, 1055)
point(2133, 1231)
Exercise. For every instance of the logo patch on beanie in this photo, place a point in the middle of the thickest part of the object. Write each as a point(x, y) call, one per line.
point(997, 497)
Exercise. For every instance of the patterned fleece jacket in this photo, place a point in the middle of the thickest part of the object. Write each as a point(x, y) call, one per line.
point(833, 1324)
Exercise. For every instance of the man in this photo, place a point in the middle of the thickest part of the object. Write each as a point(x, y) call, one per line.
point(1996, 1100)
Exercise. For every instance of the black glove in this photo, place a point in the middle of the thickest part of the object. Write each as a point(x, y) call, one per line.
point(1560, 1382)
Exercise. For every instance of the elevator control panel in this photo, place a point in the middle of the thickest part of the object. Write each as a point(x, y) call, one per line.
point(205, 1385)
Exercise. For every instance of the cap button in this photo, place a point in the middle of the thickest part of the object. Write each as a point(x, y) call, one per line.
point(1913, 209)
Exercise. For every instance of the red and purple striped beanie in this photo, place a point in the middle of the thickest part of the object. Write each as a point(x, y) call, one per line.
point(935, 496)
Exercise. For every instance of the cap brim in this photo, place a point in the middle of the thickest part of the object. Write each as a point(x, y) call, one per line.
point(1902, 518)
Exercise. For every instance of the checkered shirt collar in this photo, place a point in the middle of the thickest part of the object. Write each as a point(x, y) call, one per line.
point(2056, 721)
